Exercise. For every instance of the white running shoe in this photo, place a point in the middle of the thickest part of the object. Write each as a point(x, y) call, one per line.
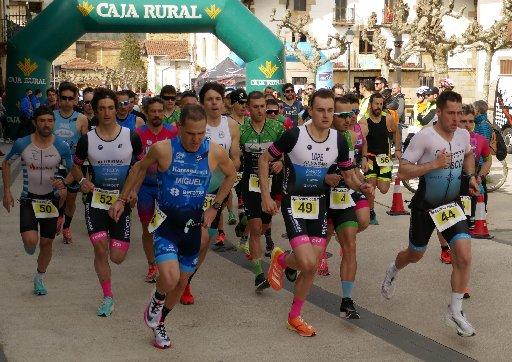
point(388, 285)
point(460, 323)
point(162, 340)
point(153, 312)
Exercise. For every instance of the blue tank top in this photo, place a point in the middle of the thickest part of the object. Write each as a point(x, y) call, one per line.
point(65, 128)
point(129, 122)
point(183, 187)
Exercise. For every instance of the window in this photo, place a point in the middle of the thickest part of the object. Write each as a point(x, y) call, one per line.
point(365, 47)
point(428, 81)
point(506, 66)
point(299, 80)
point(299, 5)
point(340, 11)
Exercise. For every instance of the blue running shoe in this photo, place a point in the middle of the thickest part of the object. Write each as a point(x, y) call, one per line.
point(39, 288)
point(106, 308)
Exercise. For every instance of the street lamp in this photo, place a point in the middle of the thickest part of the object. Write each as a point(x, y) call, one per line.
point(349, 38)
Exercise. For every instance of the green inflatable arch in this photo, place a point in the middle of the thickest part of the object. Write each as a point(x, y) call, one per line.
point(32, 50)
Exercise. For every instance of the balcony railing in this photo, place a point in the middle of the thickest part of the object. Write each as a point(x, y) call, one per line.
point(344, 15)
point(11, 24)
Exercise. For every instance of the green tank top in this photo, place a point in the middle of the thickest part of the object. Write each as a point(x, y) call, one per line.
point(174, 118)
point(253, 144)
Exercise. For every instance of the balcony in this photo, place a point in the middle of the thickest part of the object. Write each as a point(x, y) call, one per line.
point(344, 16)
point(11, 24)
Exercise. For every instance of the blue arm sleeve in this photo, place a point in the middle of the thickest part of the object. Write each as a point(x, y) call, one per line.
point(65, 153)
point(17, 149)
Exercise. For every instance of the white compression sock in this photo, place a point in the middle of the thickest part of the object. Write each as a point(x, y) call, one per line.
point(456, 304)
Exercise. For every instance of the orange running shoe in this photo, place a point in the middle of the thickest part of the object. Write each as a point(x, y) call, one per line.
point(323, 267)
point(152, 274)
point(187, 298)
point(446, 256)
point(302, 328)
point(66, 236)
point(275, 271)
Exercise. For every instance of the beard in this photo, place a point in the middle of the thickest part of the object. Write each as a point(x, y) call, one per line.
point(156, 122)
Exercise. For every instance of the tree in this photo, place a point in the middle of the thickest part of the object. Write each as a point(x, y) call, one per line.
point(425, 32)
point(131, 64)
point(319, 55)
point(488, 40)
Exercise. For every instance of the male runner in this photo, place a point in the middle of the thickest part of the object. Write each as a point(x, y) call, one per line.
point(292, 106)
point(41, 154)
point(184, 166)
point(134, 107)
point(110, 150)
point(171, 109)
point(124, 114)
point(438, 155)
point(87, 95)
point(69, 125)
point(366, 88)
point(380, 126)
point(149, 134)
point(308, 151)
point(188, 98)
point(256, 135)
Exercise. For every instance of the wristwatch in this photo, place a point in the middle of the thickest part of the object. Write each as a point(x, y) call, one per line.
point(217, 205)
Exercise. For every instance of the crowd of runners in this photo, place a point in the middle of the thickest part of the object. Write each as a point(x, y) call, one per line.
point(182, 158)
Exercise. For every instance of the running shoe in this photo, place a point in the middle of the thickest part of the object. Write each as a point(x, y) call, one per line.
point(60, 222)
point(162, 340)
point(261, 283)
point(39, 288)
point(291, 274)
point(219, 241)
point(66, 236)
point(446, 256)
point(152, 274)
point(106, 308)
point(348, 310)
point(466, 294)
point(231, 218)
point(302, 328)
point(187, 298)
point(323, 267)
point(460, 323)
point(275, 271)
point(373, 218)
point(388, 285)
point(153, 311)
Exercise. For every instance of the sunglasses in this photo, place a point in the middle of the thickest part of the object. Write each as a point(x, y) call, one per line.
point(343, 114)
point(241, 101)
point(377, 83)
point(169, 98)
point(87, 102)
point(124, 103)
point(272, 111)
point(288, 91)
point(64, 98)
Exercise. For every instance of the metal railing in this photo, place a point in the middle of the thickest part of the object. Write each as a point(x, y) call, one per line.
point(11, 24)
point(344, 15)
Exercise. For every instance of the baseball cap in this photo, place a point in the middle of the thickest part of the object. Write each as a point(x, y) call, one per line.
point(238, 95)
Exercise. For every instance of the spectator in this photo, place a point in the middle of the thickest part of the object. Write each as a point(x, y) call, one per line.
point(366, 88)
point(338, 90)
point(51, 99)
point(26, 112)
point(308, 92)
point(396, 93)
point(482, 125)
point(429, 115)
point(380, 83)
point(35, 99)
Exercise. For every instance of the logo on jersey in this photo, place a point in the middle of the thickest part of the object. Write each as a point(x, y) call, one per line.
point(120, 145)
point(85, 8)
point(175, 192)
point(100, 147)
point(180, 155)
point(310, 147)
point(222, 134)
point(268, 69)
point(213, 11)
point(27, 67)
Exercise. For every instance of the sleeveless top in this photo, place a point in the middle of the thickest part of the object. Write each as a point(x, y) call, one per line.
point(129, 122)
point(65, 128)
point(220, 134)
point(378, 137)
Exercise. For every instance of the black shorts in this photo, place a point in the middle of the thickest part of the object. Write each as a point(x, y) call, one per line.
point(300, 229)
point(252, 204)
point(100, 226)
point(344, 218)
point(28, 221)
point(74, 187)
point(422, 226)
point(381, 173)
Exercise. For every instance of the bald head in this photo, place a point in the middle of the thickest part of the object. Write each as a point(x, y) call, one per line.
point(396, 89)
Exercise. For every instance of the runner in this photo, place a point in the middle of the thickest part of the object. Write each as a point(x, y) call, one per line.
point(87, 95)
point(292, 107)
point(256, 135)
point(41, 154)
point(134, 107)
point(380, 127)
point(149, 134)
point(171, 109)
point(125, 117)
point(69, 125)
point(438, 155)
point(184, 167)
point(366, 89)
point(308, 152)
point(188, 98)
point(110, 149)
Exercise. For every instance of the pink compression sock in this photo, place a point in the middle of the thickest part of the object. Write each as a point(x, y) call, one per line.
point(296, 308)
point(107, 288)
point(281, 260)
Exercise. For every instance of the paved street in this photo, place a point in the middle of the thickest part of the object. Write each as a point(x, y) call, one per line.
point(230, 322)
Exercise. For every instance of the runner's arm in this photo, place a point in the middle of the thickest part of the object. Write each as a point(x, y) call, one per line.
point(234, 151)
point(82, 124)
point(227, 167)
point(263, 172)
point(139, 122)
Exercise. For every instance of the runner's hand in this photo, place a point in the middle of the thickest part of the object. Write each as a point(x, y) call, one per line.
point(276, 167)
point(398, 154)
point(116, 210)
point(364, 165)
point(367, 190)
point(58, 183)
point(8, 201)
point(443, 159)
point(474, 186)
point(268, 205)
point(209, 216)
point(332, 179)
point(87, 186)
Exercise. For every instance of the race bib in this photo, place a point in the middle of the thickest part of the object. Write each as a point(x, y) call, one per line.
point(340, 199)
point(305, 207)
point(103, 199)
point(254, 183)
point(446, 216)
point(384, 160)
point(352, 155)
point(238, 178)
point(208, 201)
point(44, 209)
point(157, 219)
point(466, 204)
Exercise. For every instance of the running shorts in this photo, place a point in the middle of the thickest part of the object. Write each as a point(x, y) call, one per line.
point(28, 222)
point(375, 171)
point(252, 203)
point(146, 199)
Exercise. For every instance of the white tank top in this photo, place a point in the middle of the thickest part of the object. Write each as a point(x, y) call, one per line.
point(220, 134)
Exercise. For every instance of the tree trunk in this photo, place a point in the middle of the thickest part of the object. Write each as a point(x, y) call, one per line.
point(440, 59)
point(487, 74)
point(384, 69)
point(312, 75)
